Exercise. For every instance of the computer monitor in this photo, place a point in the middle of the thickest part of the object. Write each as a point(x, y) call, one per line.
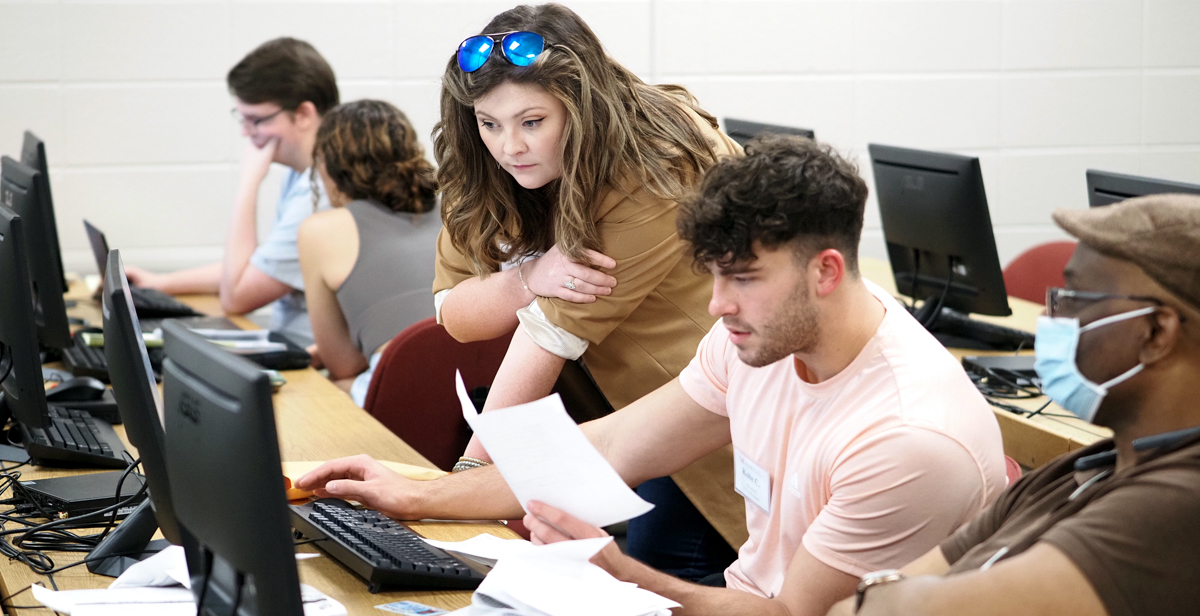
point(33, 153)
point(743, 131)
point(1106, 187)
point(20, 368)
point(226, 479)
point(141, 412)
point(20, 189)
point(938, 230)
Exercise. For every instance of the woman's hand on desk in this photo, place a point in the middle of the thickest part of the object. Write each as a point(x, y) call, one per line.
point(361, 478)
point(547, 276)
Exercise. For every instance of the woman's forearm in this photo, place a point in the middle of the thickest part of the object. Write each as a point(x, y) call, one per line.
point(485, 308)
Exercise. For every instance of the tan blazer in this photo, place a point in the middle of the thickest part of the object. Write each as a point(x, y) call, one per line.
point(647, 331)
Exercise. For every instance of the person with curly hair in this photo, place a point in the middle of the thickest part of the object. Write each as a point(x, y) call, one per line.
point(561, 173)
point(368, 262)
point(860, 442)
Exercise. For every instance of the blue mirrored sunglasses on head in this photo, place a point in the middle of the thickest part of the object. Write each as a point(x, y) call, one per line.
point(521, 48)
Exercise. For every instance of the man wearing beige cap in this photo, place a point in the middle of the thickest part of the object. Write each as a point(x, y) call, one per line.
point(1113, 528)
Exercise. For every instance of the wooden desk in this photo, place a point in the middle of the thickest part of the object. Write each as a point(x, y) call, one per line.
point(1032, 441)
point(315, 421)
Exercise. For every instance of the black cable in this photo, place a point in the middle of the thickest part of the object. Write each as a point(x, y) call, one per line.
point(8, 370)
point(916, 274)
point(310, 541)
point(932, 317)
point(1041, 408)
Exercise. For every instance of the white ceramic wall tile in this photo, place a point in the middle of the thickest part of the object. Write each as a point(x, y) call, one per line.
point(1178, 166)
point(1012, 241)
point(775, 37)
point(623, 27)
point(1171, 33)
point(144, 207)
point(679, 38)
point(153, 123)
point(428, 32)
point(823, 104)
point(929, 112)
point(928, 36)
point(354, 37)
point(1072, 34)
point(1171, 108)
point(32, 51)
point(145, 41)
point(1034, 185)
point(38, 108)
point(1065, 110)
point(420, 101)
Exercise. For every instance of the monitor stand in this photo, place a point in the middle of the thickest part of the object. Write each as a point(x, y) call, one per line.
point(129, 544)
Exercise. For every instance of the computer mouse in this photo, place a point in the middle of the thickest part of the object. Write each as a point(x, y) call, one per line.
point(78, 389)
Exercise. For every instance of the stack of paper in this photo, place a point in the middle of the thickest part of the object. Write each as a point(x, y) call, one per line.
point(158, 586)
point(552, 580)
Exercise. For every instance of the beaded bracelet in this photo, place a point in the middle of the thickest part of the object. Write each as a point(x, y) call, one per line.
point(466, 463)
point(521, 276)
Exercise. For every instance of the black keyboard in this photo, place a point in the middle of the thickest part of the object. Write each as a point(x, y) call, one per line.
point(381, 550)
point(74, 438)
point(84, 360)
point(956, 330)
point(152, 303)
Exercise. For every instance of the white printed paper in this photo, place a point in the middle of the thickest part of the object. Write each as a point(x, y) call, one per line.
point(544, 456)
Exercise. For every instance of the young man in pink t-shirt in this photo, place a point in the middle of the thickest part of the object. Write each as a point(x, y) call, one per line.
point(859, 442)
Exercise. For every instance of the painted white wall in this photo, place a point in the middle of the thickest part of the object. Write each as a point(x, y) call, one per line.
point(131, 100)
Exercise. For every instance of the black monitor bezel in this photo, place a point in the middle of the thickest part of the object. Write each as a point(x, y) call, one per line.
point(959, 226)
point(742, 131)
point(33, 153)
point(136, 392)
point(1108, 187)
point(20, 189)
point(226, 477)
point(24, 391)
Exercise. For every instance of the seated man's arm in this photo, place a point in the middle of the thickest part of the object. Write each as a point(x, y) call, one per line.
point(817, 585)
point(894, 496)
point(649, 438)
point(1040, 582)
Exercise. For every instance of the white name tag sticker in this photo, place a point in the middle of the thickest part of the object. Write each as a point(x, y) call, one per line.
point(752, 481)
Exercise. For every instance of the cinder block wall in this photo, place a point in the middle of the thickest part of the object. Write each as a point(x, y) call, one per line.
point(130, 96)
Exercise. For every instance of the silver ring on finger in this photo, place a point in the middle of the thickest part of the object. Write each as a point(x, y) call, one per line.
point(570, 283)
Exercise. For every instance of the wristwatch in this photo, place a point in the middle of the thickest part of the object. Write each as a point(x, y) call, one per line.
point(874, 578)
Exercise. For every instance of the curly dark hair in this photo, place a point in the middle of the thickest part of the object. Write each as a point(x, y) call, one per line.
point(786, 190)
point(370, 151)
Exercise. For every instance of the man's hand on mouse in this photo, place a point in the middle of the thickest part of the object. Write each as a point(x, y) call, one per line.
point(361, 478)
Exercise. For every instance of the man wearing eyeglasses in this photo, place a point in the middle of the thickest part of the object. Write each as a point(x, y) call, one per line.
point(1113, 528)
point(280, 90)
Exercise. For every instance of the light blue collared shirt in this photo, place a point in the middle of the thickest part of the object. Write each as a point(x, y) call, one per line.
point(279, 257)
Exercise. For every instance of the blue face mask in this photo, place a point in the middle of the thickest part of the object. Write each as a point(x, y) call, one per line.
point(1055, 348)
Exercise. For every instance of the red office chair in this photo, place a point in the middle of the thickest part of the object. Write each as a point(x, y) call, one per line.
point(412, 390)
point(1037, 269)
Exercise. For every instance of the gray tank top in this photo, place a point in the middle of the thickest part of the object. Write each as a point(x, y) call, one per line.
point(391, 284)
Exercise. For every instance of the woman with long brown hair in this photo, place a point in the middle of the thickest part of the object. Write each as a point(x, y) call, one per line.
point(560, 171)
point(368, 262)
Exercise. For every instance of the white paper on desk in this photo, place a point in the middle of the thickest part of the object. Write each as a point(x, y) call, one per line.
point(157, 601)
point(544, 456)
point(483, 545)
point(167, 568)
point(559, 580)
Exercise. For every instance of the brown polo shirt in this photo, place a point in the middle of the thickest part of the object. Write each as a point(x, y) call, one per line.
point(1135, 535)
